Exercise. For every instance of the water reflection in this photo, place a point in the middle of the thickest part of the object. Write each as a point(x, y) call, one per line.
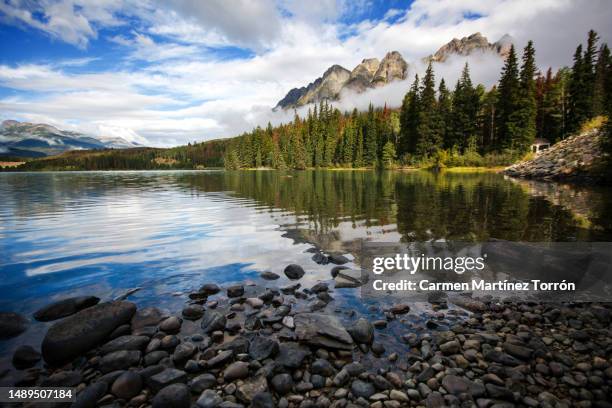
point(101, 233)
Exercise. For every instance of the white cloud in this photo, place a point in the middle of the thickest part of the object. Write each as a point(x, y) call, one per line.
point(178, 91)
point(68, 20)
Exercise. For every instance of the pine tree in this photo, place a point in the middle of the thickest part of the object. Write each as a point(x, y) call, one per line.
point(444, 113)
point(428, 131)
point(388, 155)
point(464, 112)
point(524, 117)
point(370, 146)
point(589, 67)
point(604, 60)
point(508, 91)
point(577, 99)
point(487, 118)
point(409, 119)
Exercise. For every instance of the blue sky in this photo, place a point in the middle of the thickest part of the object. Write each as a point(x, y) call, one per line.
point(164, 72)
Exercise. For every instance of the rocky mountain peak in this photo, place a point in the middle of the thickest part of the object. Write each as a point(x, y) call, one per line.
point(473, 43)
point(369, 73)
point(336, 69)
point(391, 68)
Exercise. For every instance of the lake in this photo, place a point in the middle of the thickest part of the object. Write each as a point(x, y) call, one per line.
point(103, 233)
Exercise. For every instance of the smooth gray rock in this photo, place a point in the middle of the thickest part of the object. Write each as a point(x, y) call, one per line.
point(269, 275)
point(282, 383)
point(262, 347)
point(119, 360)
point(362, 331)
point(322, 330)
point(89, 396)
point(65, 307)
point(171, 325)
point(250, 387)
point(210, 289)
point(202, 382)
point(173, 396)
point(458, 385)
point(25, 357)
point(262, 400)
point(166, 377)
point(12, 325)
point(127, 385)
point(363, 389)
point(235, 291)
point(193, 312)
point(84, 330)
point(291, 355)
point(128, 342)
point(212, 321)
point(209, 399)
point(146, 317)
point(294, 271)
point(236, 371)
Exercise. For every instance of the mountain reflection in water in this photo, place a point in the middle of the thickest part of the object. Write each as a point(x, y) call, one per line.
point(101, 233)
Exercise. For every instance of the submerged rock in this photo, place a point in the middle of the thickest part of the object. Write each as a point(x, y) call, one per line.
point(25, 357)
point(213, 320)
point(322, 330)
point(193, 312)
point(269, 275)
point(65, 307)
point(84, 330)
point(362, 331)
point(294, 271)
point(235, 291)
point(146, 317)
point(349, 278)
point(338, 259)
point(12, 324)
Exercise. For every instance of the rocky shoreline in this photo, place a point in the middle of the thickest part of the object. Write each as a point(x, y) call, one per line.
point(267, 346)
point(576, 159)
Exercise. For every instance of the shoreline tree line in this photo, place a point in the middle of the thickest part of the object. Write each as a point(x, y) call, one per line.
point(463, 125)
point(467, 125)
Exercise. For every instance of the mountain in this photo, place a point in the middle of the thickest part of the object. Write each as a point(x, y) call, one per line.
point(24, 139)
point(369, 74)
point(372, 73)
point(471, 44)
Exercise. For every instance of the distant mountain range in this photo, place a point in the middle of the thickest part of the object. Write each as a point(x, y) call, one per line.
point(372, 73)
point(22, 139)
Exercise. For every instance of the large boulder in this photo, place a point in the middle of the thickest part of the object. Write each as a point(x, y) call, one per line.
point(322, 330)
point(65, 307)
point(84, 330)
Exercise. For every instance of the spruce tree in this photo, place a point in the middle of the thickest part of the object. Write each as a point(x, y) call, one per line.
point(409, 119)
point(444, 113)
point(508, 91)
point(576, 112)
point(589, 66)
point(388, 155)
point(428, 130)
point(370, 146)
point(524, 117)
point(601, 71)
point(465, 111)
